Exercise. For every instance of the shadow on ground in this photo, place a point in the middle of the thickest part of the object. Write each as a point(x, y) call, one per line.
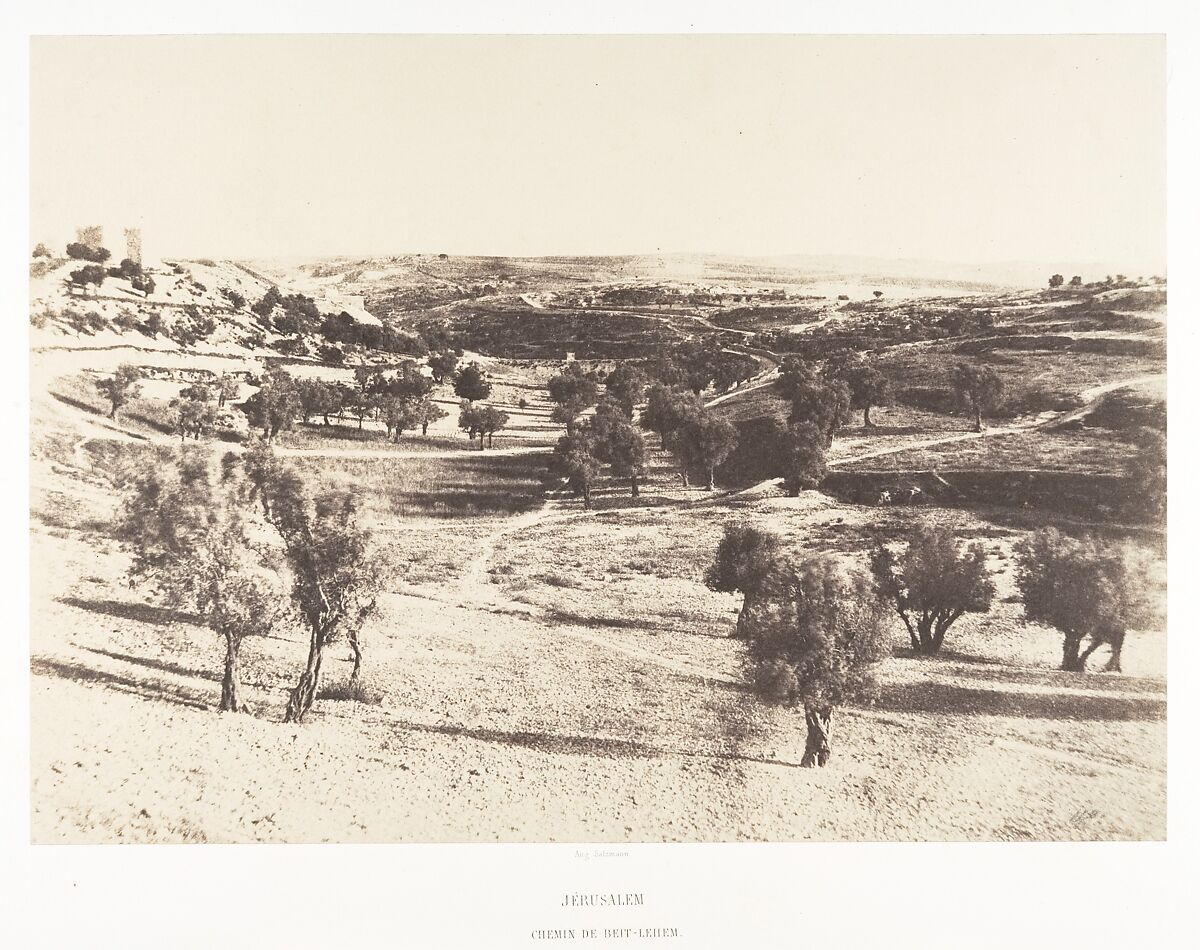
point(948, 699)
point(132, 610)
point(65, 669)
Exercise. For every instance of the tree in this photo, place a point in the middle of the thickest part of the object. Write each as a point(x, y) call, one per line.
point(793, 373)
point(192, 416)
point(1147, 473)
point(705, 442)
point(572, 391)
point(398, 414)
point(121, 387)
point(1088, 589)
point(877, 294)
point(574, 458)
point(442, 365)
point(275, 406)
point(41, 250)
point(408, 383)
point(471, 383)
point(625, 450)
point(667, 411)
point(142, 283)
point(826, 404)
point(626, 385)
point(1077, 281)
point(316, 398)
point(335, 580)
point(195, 542)
point(868, 387)
point(977, 388)
point(470, 420)
point(491, 421)
point(801, 454)
point(932, 584)
point(1056, 280)
point(429, 412)
point(744, 558)
point(814, 633)
point(227, 388)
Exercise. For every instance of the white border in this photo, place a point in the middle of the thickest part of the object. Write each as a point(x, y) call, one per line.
point(920, 895)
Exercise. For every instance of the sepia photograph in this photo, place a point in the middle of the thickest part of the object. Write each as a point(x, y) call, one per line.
point(597, 439)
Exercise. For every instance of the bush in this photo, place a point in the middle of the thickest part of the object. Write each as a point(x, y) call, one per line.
point(353, 692)
point(82, 252)
point(192, 327)
point(333, 355)
point(153, 325)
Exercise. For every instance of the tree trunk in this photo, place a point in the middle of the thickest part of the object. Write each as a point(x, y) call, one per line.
point(711, 478)
point(633, 486)
point(686, 482)
point(301, 698)
point(978, 419)
point(356, 647)
point(231, 684)
point(1071, 661)
point(867, 418)
point(1116, 642)
point(927, 643)
point(587, 497)
point(816, 748)
point(424, 428)
point(490, 440)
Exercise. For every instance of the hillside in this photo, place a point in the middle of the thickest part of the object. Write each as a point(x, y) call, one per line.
point(540, 670)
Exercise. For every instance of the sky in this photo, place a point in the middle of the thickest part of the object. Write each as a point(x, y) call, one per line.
point(967, 149)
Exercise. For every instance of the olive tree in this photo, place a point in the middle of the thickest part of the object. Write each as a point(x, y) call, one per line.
point(932, 583)
point(196, 543)
point(801, 457)
point(122, 386)
point(824, 403)
point(471, 383)
point(275, 406)
point(814, 633)
point(744, 558)
point(575, 459)
point(572, 391)
point(705, 442)
point(978, 389)
point(1088, 589)
point(335, 579)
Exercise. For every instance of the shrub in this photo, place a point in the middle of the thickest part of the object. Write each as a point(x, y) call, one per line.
point(84, 252)
point(744, 558)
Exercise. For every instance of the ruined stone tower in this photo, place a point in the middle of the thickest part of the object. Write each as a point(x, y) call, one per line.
point(91, 236)
point(133, 244)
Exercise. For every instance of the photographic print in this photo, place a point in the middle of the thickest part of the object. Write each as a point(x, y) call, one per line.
point(601, 439)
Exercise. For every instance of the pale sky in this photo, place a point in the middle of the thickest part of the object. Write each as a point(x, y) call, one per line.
point(959, 149)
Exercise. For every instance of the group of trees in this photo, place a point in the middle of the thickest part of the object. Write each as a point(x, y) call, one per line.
point(225, 542)
point(814, 628)
point(481, 420)
point(400, 400)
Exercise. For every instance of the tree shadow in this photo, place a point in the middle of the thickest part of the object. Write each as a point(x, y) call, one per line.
point(947, 699)
point(592, 746)
point(162, 666)
point(64, 669)
point(1095, 679)
point(132, 610)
